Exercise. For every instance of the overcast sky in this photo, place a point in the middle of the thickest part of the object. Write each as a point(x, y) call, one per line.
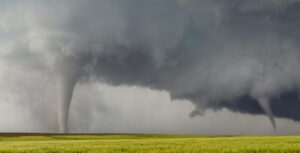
point(150, 66)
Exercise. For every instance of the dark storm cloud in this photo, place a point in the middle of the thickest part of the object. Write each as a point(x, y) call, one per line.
point(240, 55)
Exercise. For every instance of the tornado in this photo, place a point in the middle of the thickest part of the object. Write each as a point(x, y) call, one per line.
point(66, 78)
point(265, 105)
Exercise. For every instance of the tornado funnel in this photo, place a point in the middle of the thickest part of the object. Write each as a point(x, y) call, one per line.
point(66, 77)
point(266, 106)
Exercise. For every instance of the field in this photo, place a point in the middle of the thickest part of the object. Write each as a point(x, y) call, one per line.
point(148, 143)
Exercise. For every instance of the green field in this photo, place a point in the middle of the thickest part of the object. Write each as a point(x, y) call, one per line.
point(149, 143)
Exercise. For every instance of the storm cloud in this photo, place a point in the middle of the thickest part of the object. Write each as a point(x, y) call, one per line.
point(239, 55)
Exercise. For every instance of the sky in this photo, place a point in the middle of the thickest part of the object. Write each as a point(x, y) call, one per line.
point(140, 66)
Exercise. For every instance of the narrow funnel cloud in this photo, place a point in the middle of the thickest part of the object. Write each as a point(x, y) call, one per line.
point(66, 78)
point(265, 105)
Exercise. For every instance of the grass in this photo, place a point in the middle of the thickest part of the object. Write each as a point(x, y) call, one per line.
point(150, 143)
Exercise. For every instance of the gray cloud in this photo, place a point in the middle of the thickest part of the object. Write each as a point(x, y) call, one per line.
point(238, 55)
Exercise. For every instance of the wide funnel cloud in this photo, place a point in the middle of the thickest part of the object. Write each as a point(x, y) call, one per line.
point(239, 55)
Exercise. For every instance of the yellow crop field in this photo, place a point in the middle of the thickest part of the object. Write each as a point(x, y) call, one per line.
point(149, 143)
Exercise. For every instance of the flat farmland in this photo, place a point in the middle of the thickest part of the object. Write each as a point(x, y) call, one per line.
point(106, 143)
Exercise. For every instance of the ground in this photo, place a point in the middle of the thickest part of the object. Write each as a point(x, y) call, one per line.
point(48, 143)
